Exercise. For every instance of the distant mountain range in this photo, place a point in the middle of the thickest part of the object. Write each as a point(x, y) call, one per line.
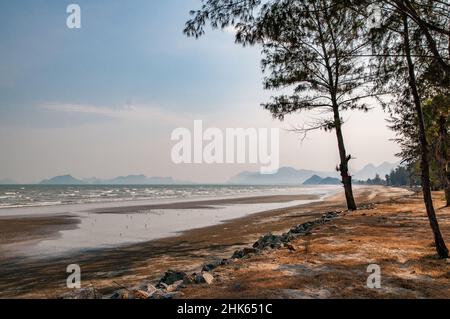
point(317, 180)
point(62, 180)
point(370, 171)
point(121, 180)
point(284, 176)
point(292, 176)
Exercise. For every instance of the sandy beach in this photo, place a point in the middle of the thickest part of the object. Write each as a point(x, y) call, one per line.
point(333, 260)
point(107, 269)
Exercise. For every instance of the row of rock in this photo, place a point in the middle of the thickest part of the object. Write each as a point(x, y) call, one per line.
point(173, 281)
point(271, 241)
point(168, 287)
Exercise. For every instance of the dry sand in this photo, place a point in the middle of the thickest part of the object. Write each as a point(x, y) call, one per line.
point(397, 228)
point(333, 261)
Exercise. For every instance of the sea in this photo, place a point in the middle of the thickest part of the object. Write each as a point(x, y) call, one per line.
point(20, 196)
point(92, 231)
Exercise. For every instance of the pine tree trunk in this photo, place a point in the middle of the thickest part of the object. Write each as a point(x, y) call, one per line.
point(424, 149)
point(447, 193)
point(447, 188)
point(443, 160)
point(343, 167)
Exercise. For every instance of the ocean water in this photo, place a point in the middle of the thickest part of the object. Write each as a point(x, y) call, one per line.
point(42, 195)
point(106, 230)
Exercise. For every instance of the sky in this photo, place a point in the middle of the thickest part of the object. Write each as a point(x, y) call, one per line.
point(103, 100)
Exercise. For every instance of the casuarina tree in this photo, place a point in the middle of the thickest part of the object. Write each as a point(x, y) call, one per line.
point(312, 49)
point(405, 64)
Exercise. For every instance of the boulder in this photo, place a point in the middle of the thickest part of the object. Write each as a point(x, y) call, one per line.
point(239, 254)
point(175, 286)
point(297, 229)
point(121, 294)
point(165, 295)
point(189, 279)
point(150, 289)
point(213, 265)
point(170, 277)
point(204, 278)
point(287, 237)
point(140, 294)
point(268, 241)
point(208, 278)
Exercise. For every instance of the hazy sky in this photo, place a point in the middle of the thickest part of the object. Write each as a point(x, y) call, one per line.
point(103, 100)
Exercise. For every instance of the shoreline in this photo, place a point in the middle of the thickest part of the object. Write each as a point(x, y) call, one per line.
point(207, 203)
point(50, 235)
point(131, 264)
point(153, 203)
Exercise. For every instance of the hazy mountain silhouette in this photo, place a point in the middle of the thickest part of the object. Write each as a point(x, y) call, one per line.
point(317, 180)
point(285, 175)
point(62, 180)
point(370, 171)
point(290, 175)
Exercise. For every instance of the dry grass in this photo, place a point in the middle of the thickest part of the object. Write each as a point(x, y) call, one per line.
point(333, 261)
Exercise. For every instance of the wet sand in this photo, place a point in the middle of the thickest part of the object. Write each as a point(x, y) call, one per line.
point(19, 231)
point(106, 269)
point(205, 204)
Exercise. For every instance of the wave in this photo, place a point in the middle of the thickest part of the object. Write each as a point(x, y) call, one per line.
point(36, 196)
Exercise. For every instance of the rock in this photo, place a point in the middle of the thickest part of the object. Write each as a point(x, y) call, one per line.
point(170, 277)
point(208, 278)
point(331, 215)
point(121, 294)
point(165, 295)
point(248, 251)
point(172, 295)
point(85, 293)
point(145, 286)
point(175, 286)
point(287, 237)
point(140, 294)
point(151, 289)
point(199, 279)
point(209, 267)
point(204, 278)
point(297, 229)
point(239, 254)
point(189, 279)
point(225, 262)
point(213, 265)
point(268, 241)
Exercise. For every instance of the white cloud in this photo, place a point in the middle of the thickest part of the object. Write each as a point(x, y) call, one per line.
point(126, 113)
